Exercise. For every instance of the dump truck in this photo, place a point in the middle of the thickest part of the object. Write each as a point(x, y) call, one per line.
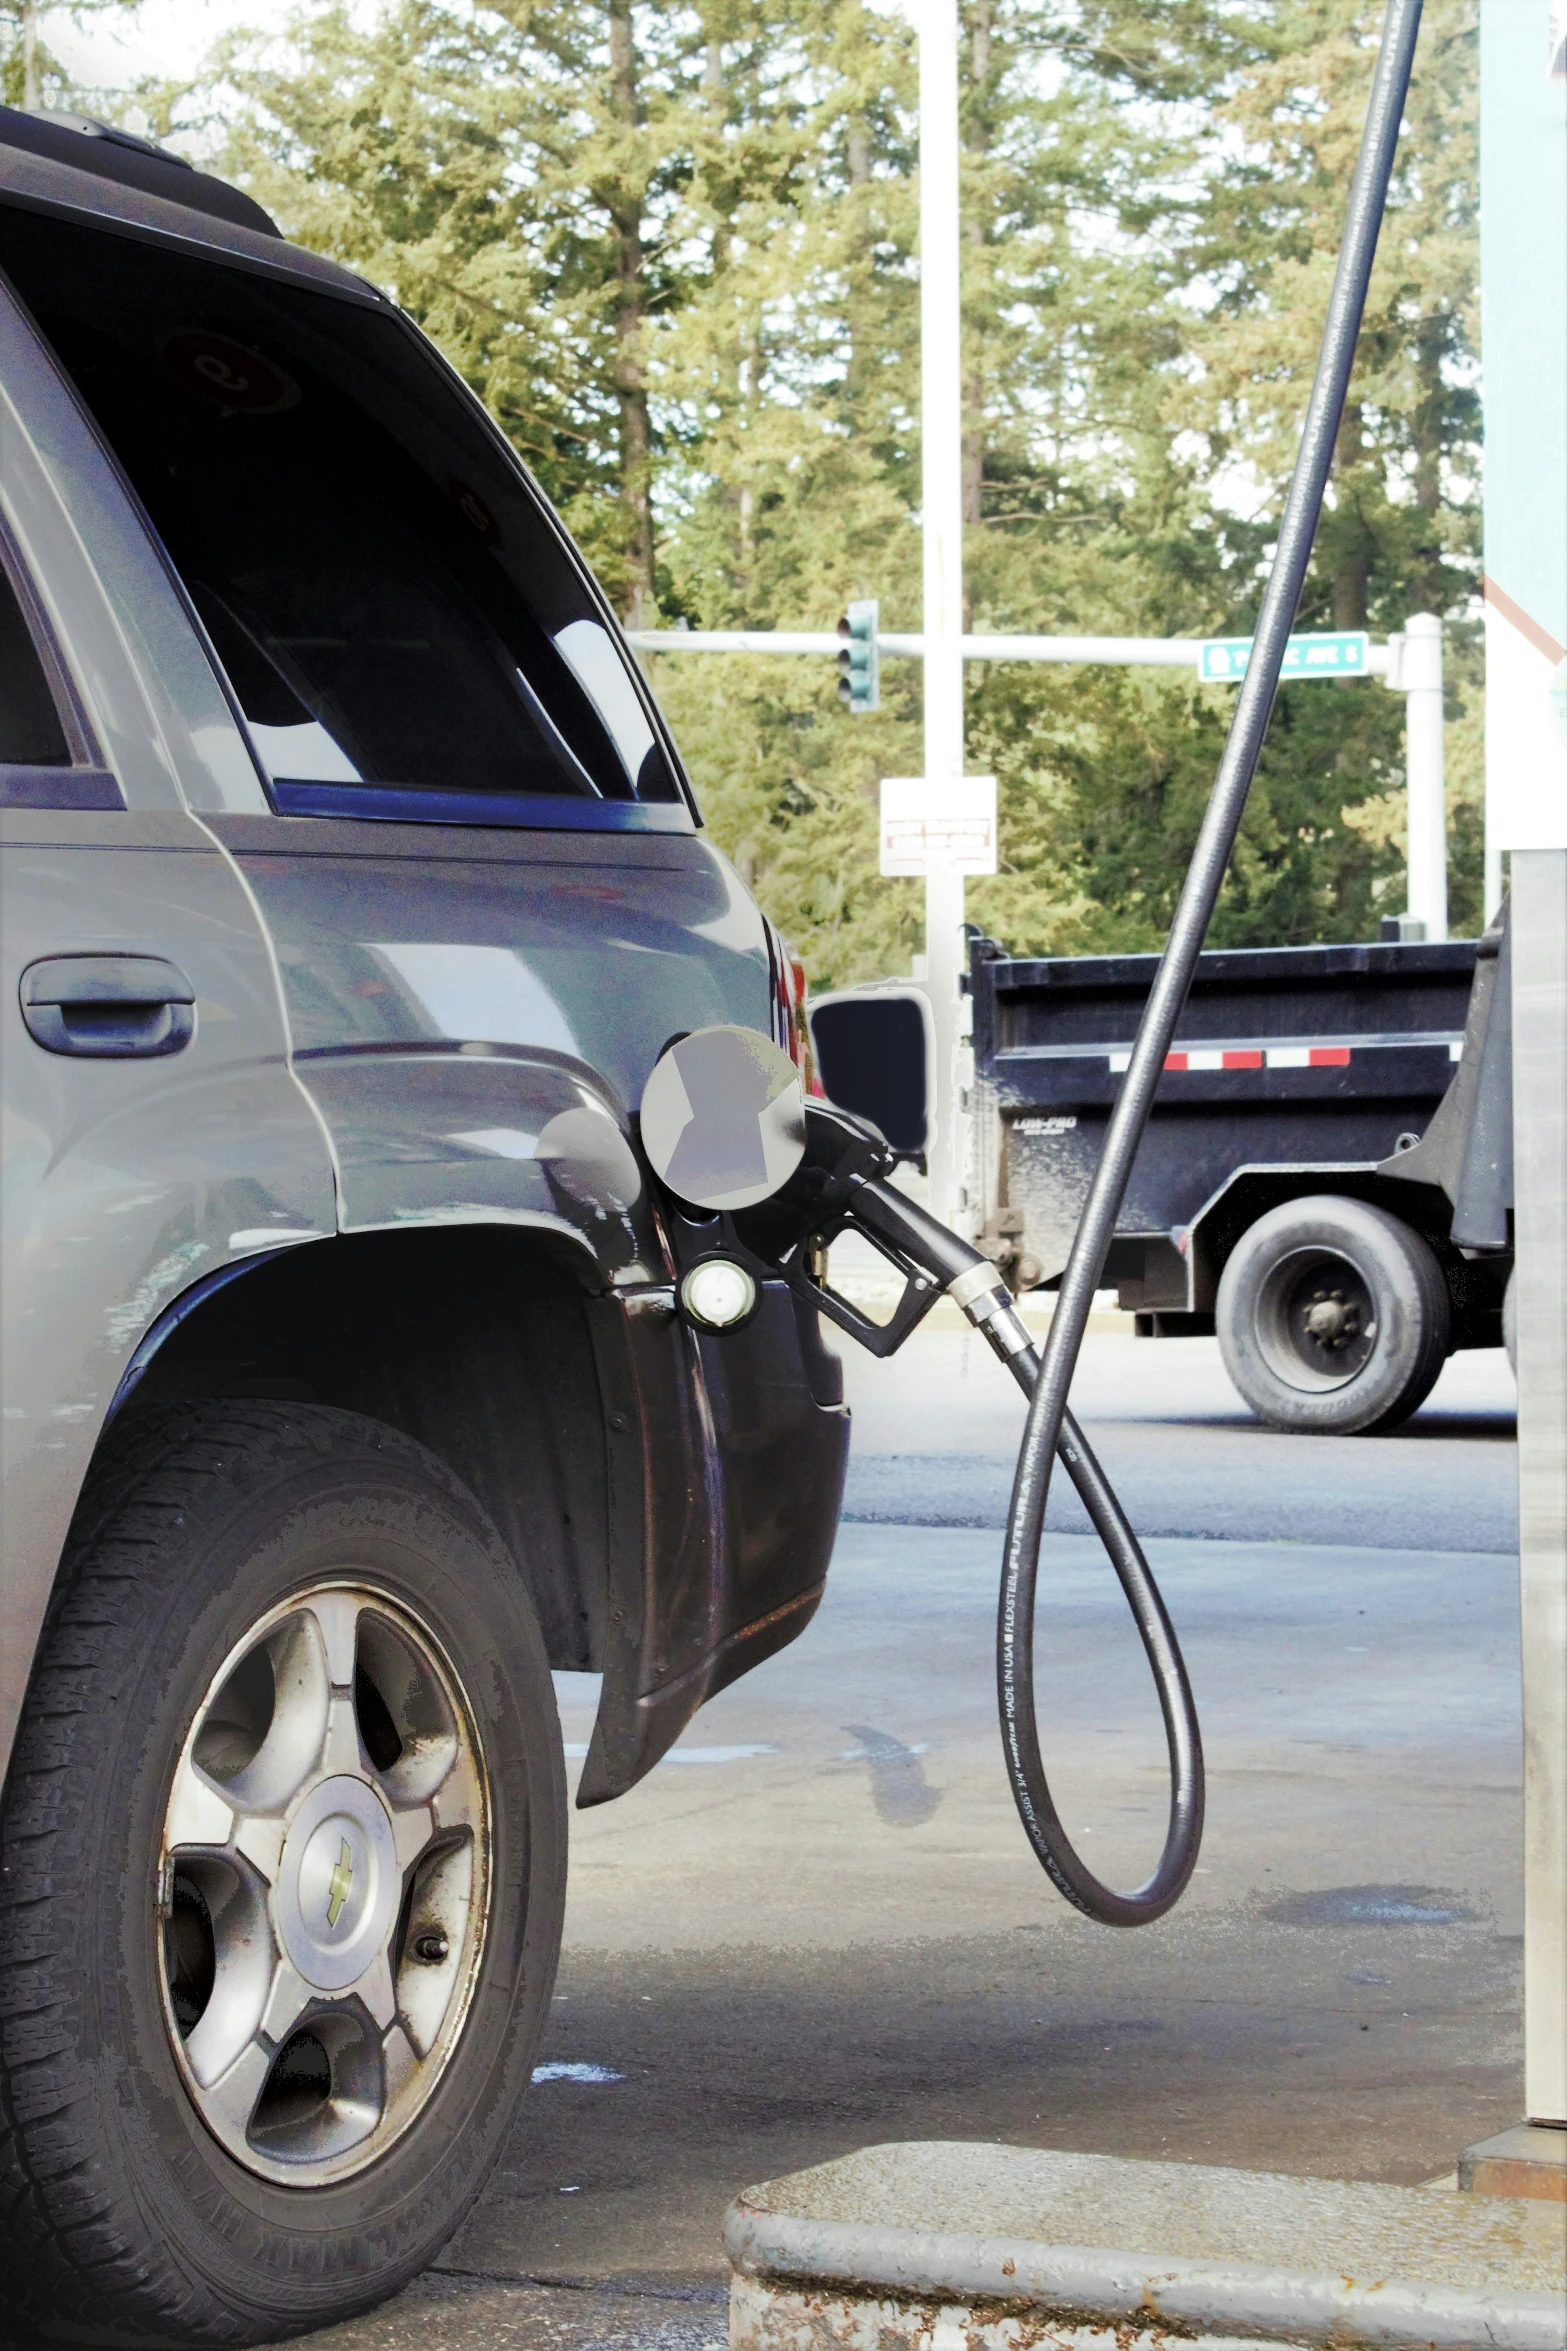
point(1326, 1182)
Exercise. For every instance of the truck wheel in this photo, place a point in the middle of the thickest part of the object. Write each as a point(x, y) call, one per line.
point(283, 1846)
point(1333, 1318)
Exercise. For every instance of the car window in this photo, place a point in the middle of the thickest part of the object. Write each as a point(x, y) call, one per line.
point(30, 731)
point(395, 611)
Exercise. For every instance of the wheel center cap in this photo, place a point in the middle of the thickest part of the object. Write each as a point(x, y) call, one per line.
point(339, 1887)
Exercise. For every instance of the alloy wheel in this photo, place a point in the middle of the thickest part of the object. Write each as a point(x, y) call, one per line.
point(323, 1884)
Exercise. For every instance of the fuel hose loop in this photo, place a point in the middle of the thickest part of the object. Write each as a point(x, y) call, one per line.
point(1049, 1427)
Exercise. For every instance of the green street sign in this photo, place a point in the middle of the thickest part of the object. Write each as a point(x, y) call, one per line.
point(1221, 661)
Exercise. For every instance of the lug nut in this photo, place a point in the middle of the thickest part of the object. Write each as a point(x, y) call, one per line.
point(1325, 1321)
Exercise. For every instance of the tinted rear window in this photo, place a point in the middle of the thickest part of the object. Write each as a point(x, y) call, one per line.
point(30, 729)
point(394, 609)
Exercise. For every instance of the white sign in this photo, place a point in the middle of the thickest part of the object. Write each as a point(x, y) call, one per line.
point(938, 828)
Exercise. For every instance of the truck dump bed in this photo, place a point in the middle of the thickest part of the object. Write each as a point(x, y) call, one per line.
point(1285, 1058)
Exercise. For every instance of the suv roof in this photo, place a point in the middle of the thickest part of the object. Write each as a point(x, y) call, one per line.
point(112, 154)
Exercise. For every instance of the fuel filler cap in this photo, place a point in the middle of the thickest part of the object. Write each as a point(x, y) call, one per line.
point(723, 1118)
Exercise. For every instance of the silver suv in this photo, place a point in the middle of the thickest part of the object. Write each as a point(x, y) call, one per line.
point(352, 888)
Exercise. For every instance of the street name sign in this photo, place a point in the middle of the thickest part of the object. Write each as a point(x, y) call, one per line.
point(1221, 661)
point(938, 828)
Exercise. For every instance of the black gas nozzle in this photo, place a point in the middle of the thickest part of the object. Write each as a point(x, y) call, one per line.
point(841, 1152)
point(841, 1182)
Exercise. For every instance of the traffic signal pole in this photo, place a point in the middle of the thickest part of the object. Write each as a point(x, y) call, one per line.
point(941, 499)
point(1410, 663)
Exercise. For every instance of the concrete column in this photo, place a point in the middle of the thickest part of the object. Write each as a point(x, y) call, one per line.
point(1420, 677)
point(1539, 961)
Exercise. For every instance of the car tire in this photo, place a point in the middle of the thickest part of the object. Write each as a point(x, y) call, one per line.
point(291, 1699)
point(1333, 1318)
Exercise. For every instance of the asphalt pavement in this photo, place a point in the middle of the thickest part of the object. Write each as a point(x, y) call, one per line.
point(817, 1925)
point(937, 1430)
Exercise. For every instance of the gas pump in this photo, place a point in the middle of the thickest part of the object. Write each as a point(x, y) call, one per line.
point(760, 1181)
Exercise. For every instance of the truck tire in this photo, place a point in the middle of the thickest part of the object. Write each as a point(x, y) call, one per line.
point(283, 1850)
point(1333, 1318)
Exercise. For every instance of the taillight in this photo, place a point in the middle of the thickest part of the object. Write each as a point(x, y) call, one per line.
point(787, 1003)
point(798, 1027)
point(801, 1046)
point(793, 1033)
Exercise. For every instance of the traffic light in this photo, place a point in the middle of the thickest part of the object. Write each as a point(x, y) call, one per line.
point(859, 664)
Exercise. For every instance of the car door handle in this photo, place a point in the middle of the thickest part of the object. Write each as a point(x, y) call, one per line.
point(108, 1007)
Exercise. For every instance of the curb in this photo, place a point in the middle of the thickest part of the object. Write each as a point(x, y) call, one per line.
point(805, 2277)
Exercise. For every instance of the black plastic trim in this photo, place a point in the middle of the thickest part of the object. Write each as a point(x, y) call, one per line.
point(172, 1316)
point(544, 812)
point(112, 155)
point(59, 787)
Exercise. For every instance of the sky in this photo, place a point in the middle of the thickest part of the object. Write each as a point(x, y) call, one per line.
point(161, 37)
point(113, 50)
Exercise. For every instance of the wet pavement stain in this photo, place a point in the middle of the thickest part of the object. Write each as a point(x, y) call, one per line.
point(1371, 1906)
point(902, 1795)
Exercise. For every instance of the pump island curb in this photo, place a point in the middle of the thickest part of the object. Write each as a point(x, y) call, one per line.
point(959, 2247)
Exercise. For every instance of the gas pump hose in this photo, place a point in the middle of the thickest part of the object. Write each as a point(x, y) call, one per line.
point(974, 1285)
point(1050, 1428)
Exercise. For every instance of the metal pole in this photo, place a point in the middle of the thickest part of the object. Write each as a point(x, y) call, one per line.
point(1539, 965)
point(941, 500)
point(1420, 676)
point(1143, 652)
point(1491, 880)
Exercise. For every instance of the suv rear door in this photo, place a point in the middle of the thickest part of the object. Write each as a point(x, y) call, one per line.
point(150, 1143)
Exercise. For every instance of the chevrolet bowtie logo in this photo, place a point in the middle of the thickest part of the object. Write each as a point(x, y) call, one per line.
point(337, 1886)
